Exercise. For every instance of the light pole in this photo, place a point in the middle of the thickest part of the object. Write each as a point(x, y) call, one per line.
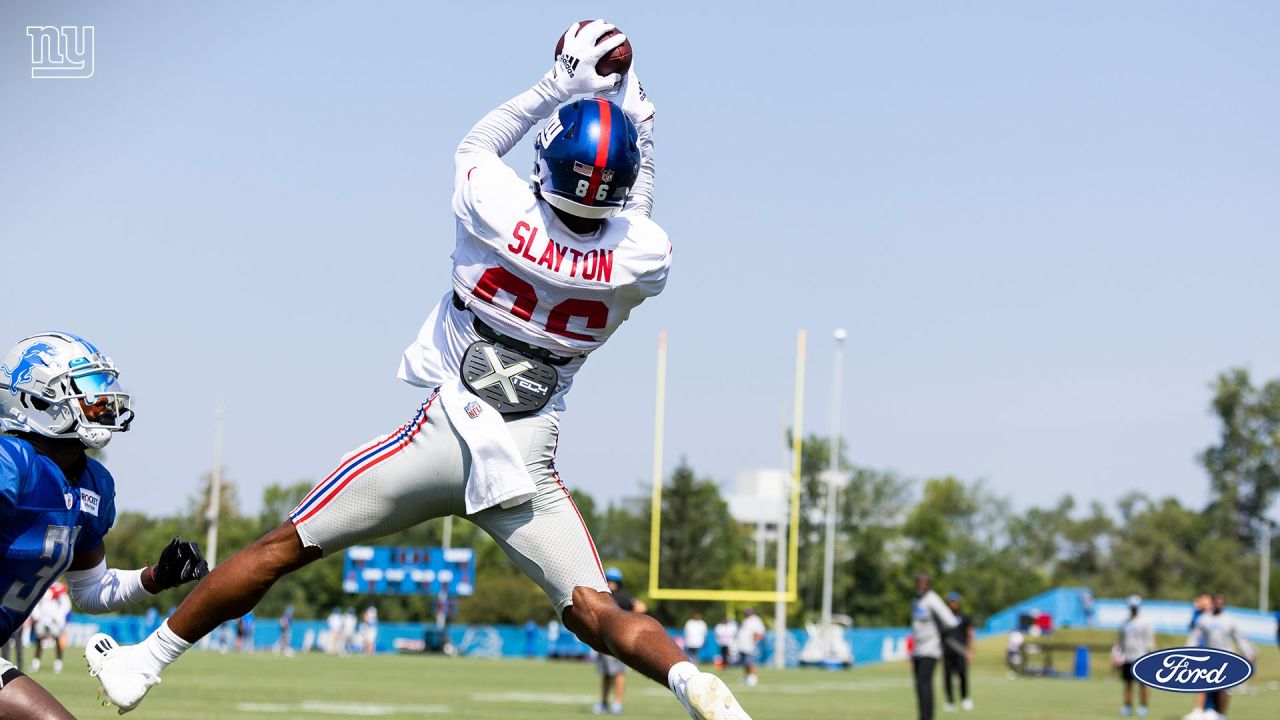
point(1264, 566)
point(829, 557)
point(215, 489)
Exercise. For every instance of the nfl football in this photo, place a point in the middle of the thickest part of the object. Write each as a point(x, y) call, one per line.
point(618, 61)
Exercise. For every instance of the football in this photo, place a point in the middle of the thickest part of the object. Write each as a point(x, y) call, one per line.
point(618, 61)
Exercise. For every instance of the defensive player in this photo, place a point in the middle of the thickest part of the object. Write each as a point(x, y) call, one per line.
point(543, 274)
point(58, 396)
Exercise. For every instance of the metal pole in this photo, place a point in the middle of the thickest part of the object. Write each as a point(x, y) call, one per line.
point(1264, 571)
point(448, 532)
point(784, 566)
point(215, 489)
point(780, 587)
point(829, 557)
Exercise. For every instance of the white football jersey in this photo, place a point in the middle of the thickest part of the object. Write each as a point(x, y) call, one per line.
point(526, 275)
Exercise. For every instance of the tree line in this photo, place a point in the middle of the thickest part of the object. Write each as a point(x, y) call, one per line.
point(889, 527)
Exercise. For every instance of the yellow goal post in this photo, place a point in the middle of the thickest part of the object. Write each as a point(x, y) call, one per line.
point(656, 592)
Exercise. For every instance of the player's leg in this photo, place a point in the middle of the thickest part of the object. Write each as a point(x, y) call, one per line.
point(22, 698)
point(392, 483)
point(948, 677)
point(548, 539)
point(37, 649)
point(619, 688)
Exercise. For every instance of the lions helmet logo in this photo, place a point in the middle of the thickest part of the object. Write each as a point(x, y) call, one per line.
point(21, 373)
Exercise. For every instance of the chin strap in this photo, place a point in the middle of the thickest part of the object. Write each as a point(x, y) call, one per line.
point(96, 438)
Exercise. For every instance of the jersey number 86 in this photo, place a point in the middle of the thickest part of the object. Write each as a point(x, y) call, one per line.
point(585, 185)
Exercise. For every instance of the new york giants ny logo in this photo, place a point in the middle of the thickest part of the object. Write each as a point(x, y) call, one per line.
point(65, 52)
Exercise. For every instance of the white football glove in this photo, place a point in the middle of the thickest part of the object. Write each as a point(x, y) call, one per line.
point(575, 70)
point(631, 97)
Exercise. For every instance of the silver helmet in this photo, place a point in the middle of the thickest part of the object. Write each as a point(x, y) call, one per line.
point(58, 385)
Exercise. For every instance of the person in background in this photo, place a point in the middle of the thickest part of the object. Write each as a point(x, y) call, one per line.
point(1202, 709)
point(1013, 653)
point(930, 617)
point(695, 636)
point(613, 672)
point(530, 639)
point(49, 622)
point(750, 633)
point(1137, 638)
point(553, 638)
point(957, 653)
point(349, 625)
point(284, 645)
point(369, 629)
point(334, 623)
point(1217, 629)
point(244, 633)
point(725, 633)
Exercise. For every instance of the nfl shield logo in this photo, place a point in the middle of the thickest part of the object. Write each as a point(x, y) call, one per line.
point(473, 411)
point(71, 499)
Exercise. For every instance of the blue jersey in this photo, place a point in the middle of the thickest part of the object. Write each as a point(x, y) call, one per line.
point(44, 521)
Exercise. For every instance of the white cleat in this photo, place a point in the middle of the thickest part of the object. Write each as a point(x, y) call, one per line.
point(123, 683)
point(708, 698)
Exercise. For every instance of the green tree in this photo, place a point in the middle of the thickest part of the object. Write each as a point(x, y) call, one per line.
point(1244, 465)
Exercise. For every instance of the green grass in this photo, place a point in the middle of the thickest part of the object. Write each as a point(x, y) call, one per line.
point(266, 687)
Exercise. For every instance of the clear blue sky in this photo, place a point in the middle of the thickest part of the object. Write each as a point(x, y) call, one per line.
point(1046, 226)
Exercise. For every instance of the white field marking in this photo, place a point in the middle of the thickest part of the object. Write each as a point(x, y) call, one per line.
point(340, 708)
point(785, 688)
point(529, 697)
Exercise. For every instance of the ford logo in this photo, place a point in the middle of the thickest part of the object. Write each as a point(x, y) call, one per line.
point(1192, 670)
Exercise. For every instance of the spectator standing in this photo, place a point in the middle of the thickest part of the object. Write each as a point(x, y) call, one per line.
point(284, 644)
point(1137, 638)
point(750, 633)
point(957, 653)
point(334, 623)
point(929, 618)
point(725, 633)
point(1217, 629)
point(349, 625)
point(244, 633)
point(49, 622)
point(369, 629)
point(1202, 710)
point(695, 636)
point(1013, 653)
point(613, 673)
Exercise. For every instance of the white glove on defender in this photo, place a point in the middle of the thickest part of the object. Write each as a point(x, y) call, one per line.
point(631, 97)
point(575, 70)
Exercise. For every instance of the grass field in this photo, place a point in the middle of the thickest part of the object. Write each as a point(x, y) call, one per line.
point(266, 687)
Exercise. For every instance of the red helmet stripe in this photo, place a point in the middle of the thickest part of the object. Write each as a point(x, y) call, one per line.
point(602, 150)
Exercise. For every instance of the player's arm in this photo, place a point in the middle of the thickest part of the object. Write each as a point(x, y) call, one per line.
point(95, 588)
point(941, 611)
point(1196, 635)
point(1246, 649)
point(574, 73)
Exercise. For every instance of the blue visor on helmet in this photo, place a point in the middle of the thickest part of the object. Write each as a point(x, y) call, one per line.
point(98, 383)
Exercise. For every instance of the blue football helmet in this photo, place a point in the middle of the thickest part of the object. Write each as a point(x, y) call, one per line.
point(587, 159)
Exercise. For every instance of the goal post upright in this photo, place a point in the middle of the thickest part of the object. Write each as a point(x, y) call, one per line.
point(790, 545)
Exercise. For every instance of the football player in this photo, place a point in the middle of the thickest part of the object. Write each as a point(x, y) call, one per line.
point(59, 396)
point(544, 271)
